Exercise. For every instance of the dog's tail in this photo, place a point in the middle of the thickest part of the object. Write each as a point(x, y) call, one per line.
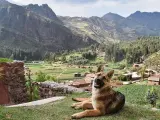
point(80, 99)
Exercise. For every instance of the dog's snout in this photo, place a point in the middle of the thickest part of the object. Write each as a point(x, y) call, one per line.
point(97, 80)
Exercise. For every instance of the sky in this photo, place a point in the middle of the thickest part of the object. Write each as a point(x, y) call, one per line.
point(87, 8)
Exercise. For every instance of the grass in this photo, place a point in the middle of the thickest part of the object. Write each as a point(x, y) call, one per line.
point(61, 110)
point(135, 94)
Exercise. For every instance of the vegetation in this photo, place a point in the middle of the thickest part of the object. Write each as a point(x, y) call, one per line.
point(55, 71)
point(122, 78)
point(5, 60)
point(152, 96)
point(134, 51)
point(153, 61)
point(32, 87)
point(141, 71)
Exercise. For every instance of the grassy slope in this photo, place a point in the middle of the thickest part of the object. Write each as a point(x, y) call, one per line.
point(61, 110)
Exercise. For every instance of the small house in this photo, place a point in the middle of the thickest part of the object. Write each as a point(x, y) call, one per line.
point(154, 80)
point(135, 76)
point(128, 76)
point(137, 65)
point(150, 72)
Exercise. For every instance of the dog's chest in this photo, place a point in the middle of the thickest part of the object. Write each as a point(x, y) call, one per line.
point(95, 103)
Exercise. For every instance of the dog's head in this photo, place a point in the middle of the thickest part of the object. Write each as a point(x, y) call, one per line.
point(102, 79)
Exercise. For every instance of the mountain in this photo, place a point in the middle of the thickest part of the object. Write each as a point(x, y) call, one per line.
point(3, 2)
point(34, 27)
point(113, 17)
point(145, 23)
point(92, 27)
point(113, 27)
point(43, 10)
point(99, 29)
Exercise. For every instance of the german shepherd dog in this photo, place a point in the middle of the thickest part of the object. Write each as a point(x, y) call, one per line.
point(104, 99)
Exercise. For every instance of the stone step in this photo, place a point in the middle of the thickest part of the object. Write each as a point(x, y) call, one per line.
point(38, 102)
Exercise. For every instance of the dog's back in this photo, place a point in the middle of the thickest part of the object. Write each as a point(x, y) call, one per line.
point(117, 103)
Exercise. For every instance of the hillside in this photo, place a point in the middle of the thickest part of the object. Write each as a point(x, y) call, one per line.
point(35, 28)
point(113, 27)
point(98, 29)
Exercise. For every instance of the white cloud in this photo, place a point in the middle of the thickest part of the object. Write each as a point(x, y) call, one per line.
point(97, 8)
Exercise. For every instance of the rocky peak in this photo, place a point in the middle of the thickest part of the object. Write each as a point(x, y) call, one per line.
point(3, 2)
point(43, 10)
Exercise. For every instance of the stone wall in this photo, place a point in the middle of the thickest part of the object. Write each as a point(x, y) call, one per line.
point(51, 89)
point(13, 76)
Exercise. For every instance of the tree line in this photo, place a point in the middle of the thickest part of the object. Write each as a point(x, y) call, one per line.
point(132, 51)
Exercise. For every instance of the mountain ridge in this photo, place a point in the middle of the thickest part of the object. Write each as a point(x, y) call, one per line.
point(22, 29)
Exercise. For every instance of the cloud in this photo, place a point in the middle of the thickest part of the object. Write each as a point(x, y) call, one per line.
point(89, 8)
point(76, 1)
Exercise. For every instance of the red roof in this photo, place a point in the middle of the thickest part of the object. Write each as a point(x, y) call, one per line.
point(157, 76)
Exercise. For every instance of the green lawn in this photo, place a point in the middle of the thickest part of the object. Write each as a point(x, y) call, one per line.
point(61, 110)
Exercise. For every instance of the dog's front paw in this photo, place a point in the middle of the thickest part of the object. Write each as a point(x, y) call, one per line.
point(76, 116)
point(73, 105)
point(77, 107)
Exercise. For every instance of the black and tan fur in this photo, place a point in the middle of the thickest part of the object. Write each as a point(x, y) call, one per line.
point(104, 99)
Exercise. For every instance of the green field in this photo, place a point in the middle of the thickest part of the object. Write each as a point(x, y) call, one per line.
point(60, 71)
point(135, 109)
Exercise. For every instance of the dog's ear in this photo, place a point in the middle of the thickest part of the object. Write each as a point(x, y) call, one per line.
point(109, 75)
point(100, 68)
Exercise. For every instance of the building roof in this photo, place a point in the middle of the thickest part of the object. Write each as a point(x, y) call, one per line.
point(89, 78)
point(154, 78)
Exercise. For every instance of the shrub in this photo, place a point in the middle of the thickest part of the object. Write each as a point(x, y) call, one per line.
point(5, 60)
point(152, 96)
point(122, 66)
point(41, 77)
point(32, 87)
point(77, 60)
point(53, 78)
point(122, 78)
point(158, 105)
point(48, 77)
point(90, 55)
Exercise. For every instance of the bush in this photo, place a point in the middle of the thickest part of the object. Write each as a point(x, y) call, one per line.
point(48, 77)
point(158, 105)
point(53, 78)
point(122, 66)
point(41, 77)
point(152, 96)
point(78, 60)
point(89, 55)
point(5, 60)
point(122, 78)
point(32, 87)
